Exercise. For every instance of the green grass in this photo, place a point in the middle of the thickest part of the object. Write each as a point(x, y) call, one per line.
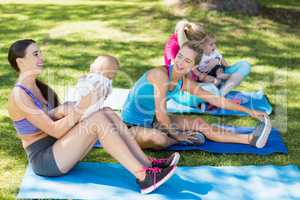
point(72, 33)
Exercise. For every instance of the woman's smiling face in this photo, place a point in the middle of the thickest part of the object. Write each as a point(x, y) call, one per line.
point(185, 60)
point(33, 59)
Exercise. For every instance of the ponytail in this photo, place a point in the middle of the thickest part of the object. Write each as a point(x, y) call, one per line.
point(48, 93)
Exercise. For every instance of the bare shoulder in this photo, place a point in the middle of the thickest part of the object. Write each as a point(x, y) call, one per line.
point(158, 75)
point(12, 103)
point(17, 98)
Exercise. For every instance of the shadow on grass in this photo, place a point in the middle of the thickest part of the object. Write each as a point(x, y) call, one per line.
point(282, 15)
point(133, 56)
point(10, 144)
point(8, 78)
point(76, 52)
point(136, 14)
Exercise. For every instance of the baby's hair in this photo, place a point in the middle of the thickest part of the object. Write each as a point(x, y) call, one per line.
point(105, 58)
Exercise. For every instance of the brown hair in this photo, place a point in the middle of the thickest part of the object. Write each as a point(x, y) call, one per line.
point(18, 50)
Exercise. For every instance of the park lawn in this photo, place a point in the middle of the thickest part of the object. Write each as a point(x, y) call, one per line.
point(72, 33)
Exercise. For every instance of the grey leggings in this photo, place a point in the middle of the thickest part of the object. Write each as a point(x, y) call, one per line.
point(41, 158)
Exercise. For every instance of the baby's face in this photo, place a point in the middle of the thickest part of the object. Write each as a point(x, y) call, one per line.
point(111, 72)
point(108, 70)
point(209, 47)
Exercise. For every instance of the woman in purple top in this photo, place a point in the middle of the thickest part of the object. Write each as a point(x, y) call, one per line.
point(55, 139)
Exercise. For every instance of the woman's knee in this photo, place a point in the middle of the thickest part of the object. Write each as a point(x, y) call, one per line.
point(97, 122)
point(158, 140)
point(202, 126)
point(200, 121)
point(96, 116)
point(149, 138)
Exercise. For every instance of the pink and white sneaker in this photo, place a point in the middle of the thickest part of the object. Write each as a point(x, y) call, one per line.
point(155, 177)
point(166, 162)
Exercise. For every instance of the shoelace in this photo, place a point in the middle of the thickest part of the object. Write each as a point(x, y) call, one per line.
point(154, 171)
point(158, 160)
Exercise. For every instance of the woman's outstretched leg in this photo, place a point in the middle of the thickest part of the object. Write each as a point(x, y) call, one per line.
point(213, 133)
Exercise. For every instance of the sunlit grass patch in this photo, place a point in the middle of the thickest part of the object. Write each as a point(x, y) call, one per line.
point(72, 34)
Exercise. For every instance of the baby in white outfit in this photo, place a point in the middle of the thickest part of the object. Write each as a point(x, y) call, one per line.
point(102, 72)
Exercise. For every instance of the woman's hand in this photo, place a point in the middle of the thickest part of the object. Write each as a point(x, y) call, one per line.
point(217, 81)
point(257, 114)
point(88, 100)
point(210, 65)
point(172, 61)
point(181, 25)
point(178, 135)
point(185, 136)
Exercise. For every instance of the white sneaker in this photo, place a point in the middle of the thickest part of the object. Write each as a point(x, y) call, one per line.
point(261, 133)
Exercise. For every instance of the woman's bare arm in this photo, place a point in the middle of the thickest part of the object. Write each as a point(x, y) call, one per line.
point(160, 83)
point(180, 27)
point(218, 101)
point(61, 110)
point(27, 109)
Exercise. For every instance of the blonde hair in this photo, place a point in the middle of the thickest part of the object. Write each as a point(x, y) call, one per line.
point(196, 47)
point(207, 38)
point(194, 31)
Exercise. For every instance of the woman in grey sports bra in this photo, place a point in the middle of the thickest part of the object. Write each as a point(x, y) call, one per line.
point(55, 139)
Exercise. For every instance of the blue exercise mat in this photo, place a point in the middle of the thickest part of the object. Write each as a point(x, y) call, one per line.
point(111, 181)
point(275, 144)
point(252, 100)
